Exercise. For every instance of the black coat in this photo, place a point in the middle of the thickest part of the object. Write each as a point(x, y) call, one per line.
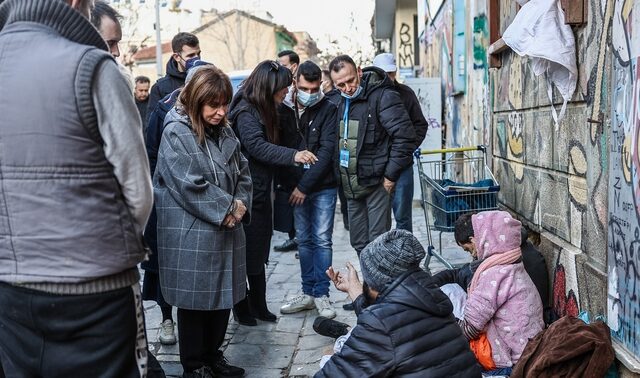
point(173, 80)
point(143, 107)
point(264, 158)
point(411, 103)
point(386, 138)
point(318, 126)
point(409, 332)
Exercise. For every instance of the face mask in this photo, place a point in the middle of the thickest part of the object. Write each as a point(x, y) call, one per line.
point(306, 99)
point(353, 96)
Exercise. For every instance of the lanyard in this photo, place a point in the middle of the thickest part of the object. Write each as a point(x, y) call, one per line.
point(346, 119)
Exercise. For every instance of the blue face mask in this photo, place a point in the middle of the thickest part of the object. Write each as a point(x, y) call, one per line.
point(354, 95)
point(306, 99)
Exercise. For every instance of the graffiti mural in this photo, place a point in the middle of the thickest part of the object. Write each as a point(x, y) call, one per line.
point(405, 50)
point(623, 260)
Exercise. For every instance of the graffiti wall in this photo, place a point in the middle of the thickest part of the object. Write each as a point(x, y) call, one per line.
point(556, 179)
point(623, 262)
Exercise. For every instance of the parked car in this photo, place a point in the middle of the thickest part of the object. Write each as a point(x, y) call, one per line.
point(237, 78)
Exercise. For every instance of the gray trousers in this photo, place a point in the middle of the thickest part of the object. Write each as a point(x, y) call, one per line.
point(369, 217)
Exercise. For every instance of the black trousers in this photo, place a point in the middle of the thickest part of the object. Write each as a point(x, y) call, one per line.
point(201, 336)
point(96, 335)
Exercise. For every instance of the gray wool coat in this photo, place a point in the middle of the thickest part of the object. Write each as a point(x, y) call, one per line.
point(201, 263)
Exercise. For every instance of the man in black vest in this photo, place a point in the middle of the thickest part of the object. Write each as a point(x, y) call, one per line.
point(75, 194)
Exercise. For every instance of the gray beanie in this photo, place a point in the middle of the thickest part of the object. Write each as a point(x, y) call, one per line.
point(390, 255)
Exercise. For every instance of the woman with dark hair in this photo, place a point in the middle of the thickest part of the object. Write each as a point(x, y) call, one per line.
point(203, 191)
point(254, 117)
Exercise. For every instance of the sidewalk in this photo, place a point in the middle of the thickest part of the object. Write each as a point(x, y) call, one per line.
point(290, 347)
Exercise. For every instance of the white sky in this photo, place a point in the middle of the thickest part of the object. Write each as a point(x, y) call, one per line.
point(344, 21)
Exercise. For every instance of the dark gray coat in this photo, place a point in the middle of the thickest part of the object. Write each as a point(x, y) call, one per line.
point(202, 263)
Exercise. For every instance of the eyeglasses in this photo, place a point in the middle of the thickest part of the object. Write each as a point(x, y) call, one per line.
point(274, 65)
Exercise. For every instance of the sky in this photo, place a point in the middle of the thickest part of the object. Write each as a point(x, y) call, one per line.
point(345, 21)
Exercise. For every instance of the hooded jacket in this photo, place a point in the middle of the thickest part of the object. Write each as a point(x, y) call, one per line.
point(409, 331)
point(173, 80)
point(505, 303)
point(385, 137)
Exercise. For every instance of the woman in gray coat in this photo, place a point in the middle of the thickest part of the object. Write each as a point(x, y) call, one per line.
point(202, 190)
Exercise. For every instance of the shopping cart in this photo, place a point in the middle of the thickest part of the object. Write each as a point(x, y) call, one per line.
point(456, 182)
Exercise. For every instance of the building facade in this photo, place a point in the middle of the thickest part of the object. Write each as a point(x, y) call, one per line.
point(576, 184)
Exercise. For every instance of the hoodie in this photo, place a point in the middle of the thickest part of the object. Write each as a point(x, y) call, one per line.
point(409, 331)
point(173, 80)
point(504, 303)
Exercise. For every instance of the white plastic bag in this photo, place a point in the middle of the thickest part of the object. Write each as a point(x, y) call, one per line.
point(539, 32)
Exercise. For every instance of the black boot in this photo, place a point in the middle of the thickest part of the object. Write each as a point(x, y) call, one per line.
point(242, 314)
point(257, 298)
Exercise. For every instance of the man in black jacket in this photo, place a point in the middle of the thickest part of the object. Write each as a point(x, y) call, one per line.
point(185, 46)
point(405, 323)
point(403, 195)
point(375, 145)
point(314, 195)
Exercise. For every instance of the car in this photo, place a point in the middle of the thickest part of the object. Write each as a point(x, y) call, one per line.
point(237, 78)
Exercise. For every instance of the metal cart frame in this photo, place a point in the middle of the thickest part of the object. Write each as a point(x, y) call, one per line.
point(459, 182)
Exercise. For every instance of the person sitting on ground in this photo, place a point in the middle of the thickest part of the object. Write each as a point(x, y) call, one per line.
point(405, 324)
point(503, 309)
point(532, 259)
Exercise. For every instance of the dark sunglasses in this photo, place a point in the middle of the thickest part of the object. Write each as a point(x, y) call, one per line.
point(274, 65)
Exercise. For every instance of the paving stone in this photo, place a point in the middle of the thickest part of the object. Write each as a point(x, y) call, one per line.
point(168, 358)
point(314, 342)
point(290, 324)
point(270, 338)
point(272, 356)
point(172, 369)
point(306, 357)
point(303, 371)
point(169, 349)
point(263, 373)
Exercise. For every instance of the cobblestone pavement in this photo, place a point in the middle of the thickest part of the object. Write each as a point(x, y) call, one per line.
point(290, 347)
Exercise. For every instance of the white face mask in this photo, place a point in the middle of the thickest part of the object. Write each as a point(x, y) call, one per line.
point(306, 99)
point(354, 95)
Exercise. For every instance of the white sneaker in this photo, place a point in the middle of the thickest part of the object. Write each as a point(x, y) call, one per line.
point(324, 307)
point(296, 304)
point(167, 333)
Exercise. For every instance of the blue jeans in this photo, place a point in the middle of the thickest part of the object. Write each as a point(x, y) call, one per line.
point(314, 231)
point(499, 371)
point(403, 200)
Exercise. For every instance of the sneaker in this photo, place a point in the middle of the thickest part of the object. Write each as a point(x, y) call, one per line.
point(167, 333)
point(330, 328)
point(203, 372)
point(324, 307)
point(288, 245)
point(296, 304)
point(222, 369)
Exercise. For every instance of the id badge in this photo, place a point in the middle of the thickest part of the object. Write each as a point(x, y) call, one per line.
point(306, 166)
point(344, 158)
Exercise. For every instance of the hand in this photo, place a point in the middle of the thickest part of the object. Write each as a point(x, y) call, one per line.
point(240, 211)
point(305, 157)
point(229, 221)
point(388, 185)
point(350, 284)
point(297, 198)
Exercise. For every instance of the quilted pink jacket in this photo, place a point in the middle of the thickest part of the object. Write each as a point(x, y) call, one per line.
point(505, 304)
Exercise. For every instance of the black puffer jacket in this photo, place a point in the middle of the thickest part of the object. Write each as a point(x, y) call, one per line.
point(412, 104)
point(409, 332)
point(318, 126)
point(173, 80)
point(386, 137)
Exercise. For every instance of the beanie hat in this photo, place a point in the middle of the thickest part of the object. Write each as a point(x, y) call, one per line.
point(389, 256)
point(193, 66)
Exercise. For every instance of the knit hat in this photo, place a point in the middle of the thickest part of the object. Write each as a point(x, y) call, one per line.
point(193, 66)
point(389, 256)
